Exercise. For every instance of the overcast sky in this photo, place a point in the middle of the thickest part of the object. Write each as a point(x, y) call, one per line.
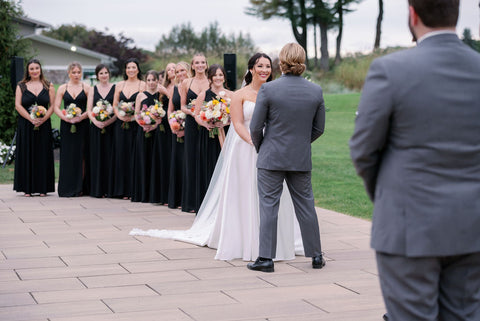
point(146, 21)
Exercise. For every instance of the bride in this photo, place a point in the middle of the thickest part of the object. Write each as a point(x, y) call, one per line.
point(228, 219)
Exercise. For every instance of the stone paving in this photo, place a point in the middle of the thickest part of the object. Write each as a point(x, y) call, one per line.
point(71, 259)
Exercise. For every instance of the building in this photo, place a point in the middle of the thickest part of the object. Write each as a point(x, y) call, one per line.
point(56, 55)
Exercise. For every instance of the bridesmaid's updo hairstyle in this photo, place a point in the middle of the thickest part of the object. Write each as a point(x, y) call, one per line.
point(27, 77)
point(135, 61)
point(251, 63)
point(187, 68)
point(212, 70)
point(153, 73)
point(73, 65)
point(292, 59)
point(100, 67)
point(192, 71)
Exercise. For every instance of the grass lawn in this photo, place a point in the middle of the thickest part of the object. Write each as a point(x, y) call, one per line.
point(335, 184)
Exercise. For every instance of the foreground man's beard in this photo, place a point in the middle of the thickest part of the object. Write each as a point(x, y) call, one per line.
point(414, 37)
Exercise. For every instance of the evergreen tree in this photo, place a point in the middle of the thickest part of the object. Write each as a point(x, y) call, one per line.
point(10, 46)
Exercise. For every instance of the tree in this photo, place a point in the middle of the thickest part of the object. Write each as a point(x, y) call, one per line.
point(293, 10)
point(341, 8)
point(9, 46)
point(467, 39)
point(379, 25)
point(120, 47)
point(323, 15)
point(182, 40)
point(74, 34)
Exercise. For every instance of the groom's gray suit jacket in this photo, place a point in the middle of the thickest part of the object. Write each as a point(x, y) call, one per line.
point(292, 111)
point(417, 147)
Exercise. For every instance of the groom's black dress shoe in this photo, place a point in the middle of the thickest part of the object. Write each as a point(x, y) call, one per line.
point(261, 264)
point(318, 262)
point(385, 317)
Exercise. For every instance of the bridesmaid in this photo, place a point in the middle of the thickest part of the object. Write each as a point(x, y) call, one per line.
point(146, 154)
point(101, 136)
point(74, 178)
point(34, 167)
point(209, 147)
point(188, 92)
point(163, 141)
point(182, 72)
point(125, 129)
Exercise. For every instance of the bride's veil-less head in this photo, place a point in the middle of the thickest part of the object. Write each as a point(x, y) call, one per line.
point(247, 79)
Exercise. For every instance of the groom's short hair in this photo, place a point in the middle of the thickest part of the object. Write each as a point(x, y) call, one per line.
point(292, 59)
point(437, 13)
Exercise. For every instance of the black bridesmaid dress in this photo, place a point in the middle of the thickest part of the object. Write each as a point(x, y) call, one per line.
point(74, 178)
point(123, 146)
point(34, 166)
point(176, 162)
point(101, 146)
point(208, 152)
point(161, 169)
point(189, 194)
point(146, 157)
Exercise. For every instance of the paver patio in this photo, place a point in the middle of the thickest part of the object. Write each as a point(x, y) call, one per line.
point(71, 259)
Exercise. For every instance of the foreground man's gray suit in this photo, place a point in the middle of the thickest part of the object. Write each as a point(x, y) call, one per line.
point(416, 145)
point(291, 110)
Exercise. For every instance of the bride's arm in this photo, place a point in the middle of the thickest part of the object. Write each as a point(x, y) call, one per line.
point(236, 114)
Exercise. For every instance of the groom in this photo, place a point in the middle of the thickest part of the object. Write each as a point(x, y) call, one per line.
point(289, 115)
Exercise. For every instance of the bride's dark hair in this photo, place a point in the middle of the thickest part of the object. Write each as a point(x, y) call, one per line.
point(251, 63)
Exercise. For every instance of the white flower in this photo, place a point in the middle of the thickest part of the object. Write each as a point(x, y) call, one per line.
point(209, 114)
point(32, 116)
point(99, 104)
point(96, 109)
point(122, 113)
point(216, 113)
point(110, 109)
point(182, 115)
point(69, 116)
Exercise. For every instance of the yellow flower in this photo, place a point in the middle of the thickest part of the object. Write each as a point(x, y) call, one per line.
point(227, 110)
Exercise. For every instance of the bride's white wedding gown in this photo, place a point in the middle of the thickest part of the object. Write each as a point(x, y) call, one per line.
point(228, 219)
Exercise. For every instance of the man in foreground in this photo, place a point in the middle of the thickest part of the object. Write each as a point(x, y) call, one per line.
point(416, 145)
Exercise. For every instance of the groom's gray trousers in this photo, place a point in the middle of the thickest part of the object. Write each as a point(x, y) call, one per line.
point(270, 186)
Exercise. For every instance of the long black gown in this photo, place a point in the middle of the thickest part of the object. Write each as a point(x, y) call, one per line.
point(176, 162)
point(189, 194)
point(101, 146)
point(208, 152)
point(74, 178)
point(161, 169)
point(34, 167)
point(146, 157)
point(123, 147)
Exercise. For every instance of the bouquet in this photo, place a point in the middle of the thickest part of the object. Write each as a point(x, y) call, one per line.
point(150, 115)
point(177, 123)
point(72, 111)
point(216, 112)
point(102, 111)
point(191, 105)
point(158, 113)
point(125, 109)
point(37, 112)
